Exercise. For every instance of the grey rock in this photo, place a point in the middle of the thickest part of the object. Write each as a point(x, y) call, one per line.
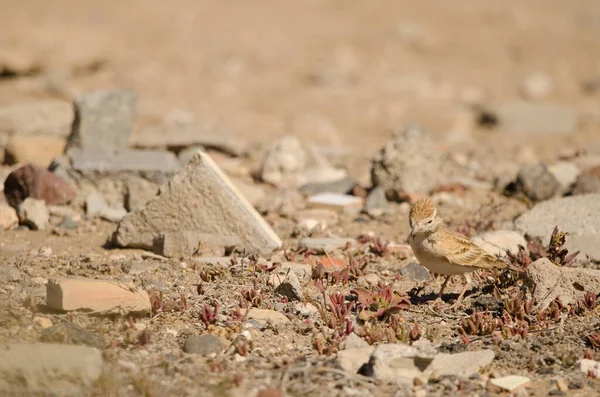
point(537, 182)
point(586, 184)
point(205, 345)
point(48, 369)
point(549, 281)
point(409, 162)
point(461, 364)
point(113, 214)
point(73, 334)
point(326, 244)
point(499, 242)
point(290, 288)
point(34, 214)
point(103, 120)
point(376, 203)
point(11, 274)
point(579, 216)
point(401, 363)
point(68, 223)
point(95, 204)
point(44, 117)
point(415, 272)
point(200, 199)
point(343, 186)
point(354, 341)
point(565, 174)
point(532, 118)
point(140, 161)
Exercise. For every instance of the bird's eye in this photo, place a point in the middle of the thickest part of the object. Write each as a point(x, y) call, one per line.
point(430, 221)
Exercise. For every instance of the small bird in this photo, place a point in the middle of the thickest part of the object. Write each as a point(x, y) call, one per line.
point(444, 251)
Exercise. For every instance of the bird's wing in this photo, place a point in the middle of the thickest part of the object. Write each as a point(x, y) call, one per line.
point(461, 251)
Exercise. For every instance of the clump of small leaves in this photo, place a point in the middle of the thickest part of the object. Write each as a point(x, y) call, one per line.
point(588, 304)
point(594, 339)
point(208, 313)
point(254, 296)
point(376, 245)
point(381, 303)
point(479, 323)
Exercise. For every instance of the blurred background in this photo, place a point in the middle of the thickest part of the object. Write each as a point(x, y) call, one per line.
point(338, 73)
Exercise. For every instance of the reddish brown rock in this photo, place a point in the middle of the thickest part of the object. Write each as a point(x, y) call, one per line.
point(38, 183)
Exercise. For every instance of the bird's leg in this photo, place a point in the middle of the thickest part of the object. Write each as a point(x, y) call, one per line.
point(439, 300)
point(468, 282)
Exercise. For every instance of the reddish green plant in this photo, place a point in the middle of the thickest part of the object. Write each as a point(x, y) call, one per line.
point(379, 304)
point(208, 313)
point(479, 323)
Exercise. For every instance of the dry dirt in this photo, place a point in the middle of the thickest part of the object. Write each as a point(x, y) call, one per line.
point(343, 75)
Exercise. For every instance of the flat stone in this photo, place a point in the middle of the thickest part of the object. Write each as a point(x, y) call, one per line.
point(39, 150)
point(549, 281)
point(125, 160)
point(113, 213)
point(511, 383)
point(326, 244)
point(266, 316)
point(340, 202)
point(204, 345)
point(8, 217)
point(409, 162)
point(103, 120)
point(579, 216)
point(566, 175)
point(73, 334)
point(38, 183)
point(532, 118)
point(200, 199)
point(499, 242)
point(43, 117)
point(48, 369)
point(401, 363)
point(589, 367)
point(34, 214)
point(415, 272)
point(96, 296)
point(461, 364)
point(341, 186)
point(537, 182)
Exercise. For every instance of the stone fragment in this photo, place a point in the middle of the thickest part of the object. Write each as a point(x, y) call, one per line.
point(536, 86)
point(266, 316)
point(531, 118)
point(44, 117)
point(499, 242)
point(565, 174)
point(39, 150)
point(549, 281)
point(415, 272)
point(72, 334)
point(204, 345)
point(340, 202)
point(34, 214)
point(43, 322)
point(103, 120)
point(511, 383)
point(586, 184)
point(409, 163)
point(113, 214)
point(138, 192)
point(290, 287)
point(95, 204)
point(537, 182)
point(589, 367)
point(38, 183)
point(400, 363)
point(48, 369)
point(461, 364)
point(289, 163)
point(351, 359)
point(341, 186)
point(326, 244)
point(142, 161)
point(8, 217)
point(376, 203)
point(579, 216)
point(202, 200)
point(186, 243)
point(96, 296)
point(354, 341)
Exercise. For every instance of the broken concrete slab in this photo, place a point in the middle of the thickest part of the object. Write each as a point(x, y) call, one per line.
point(48, 369)
point(549, 281)
point(123, 161)
point(103, 120)
point(199, 199)
point(96, 296)
point(579, 216)
point(461, 364)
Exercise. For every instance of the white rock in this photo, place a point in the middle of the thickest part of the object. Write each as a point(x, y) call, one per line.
point(511, 383)
point(590, 367)
point(499, 242)
point(461, 364)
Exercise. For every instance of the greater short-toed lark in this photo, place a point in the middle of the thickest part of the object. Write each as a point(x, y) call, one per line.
point(444, 251)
